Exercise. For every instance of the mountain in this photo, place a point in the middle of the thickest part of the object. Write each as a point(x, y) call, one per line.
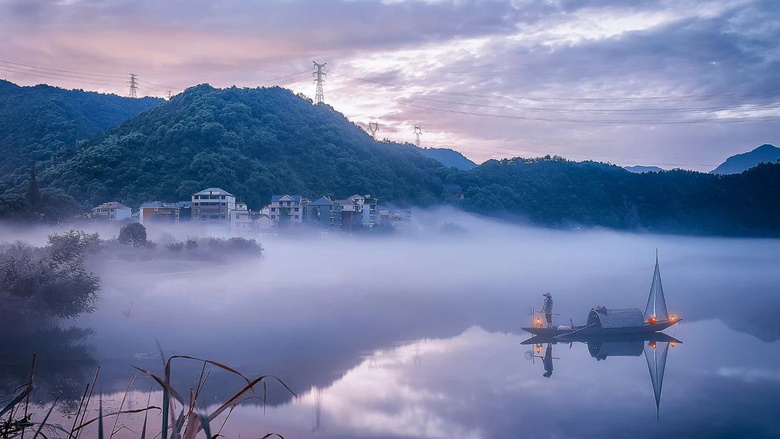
point(449, 158)
point(257, 142)
point(640, 169)
point(738, 163)
point(251, 142)
point(39, 122)
point(559, 193)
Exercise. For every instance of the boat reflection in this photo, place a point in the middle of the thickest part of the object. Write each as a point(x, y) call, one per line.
point(655, 347)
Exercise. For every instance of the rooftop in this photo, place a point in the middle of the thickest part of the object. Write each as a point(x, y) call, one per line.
point(113, 205)
point(213, 191)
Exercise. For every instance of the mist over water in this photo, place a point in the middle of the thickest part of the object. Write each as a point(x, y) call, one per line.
point(418, 334)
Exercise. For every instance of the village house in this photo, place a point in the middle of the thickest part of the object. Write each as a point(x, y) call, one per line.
point(164, 213)
point(212, 207)
point(288, 209)
point(263, 222)
point(112, 211)
point(357, 209)
point(241, 219)
point(323, 213)
point(367, 207)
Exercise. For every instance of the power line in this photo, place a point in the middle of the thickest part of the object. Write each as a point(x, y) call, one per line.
point(295, 76)
point(60, 70)
point(609, 121)
point(674, 98)
point(57, 76)
point(638, 111)
point(161, 87)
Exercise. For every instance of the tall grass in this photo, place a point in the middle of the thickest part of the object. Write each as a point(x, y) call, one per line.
point(181, 418)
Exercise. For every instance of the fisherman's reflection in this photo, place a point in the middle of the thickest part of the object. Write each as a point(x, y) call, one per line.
point(547, 361)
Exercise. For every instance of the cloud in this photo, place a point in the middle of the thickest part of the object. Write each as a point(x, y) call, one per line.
point(673, 84)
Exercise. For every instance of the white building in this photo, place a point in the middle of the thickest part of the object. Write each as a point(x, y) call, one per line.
point(288, 209)
point(213, 206)
point(241, 220)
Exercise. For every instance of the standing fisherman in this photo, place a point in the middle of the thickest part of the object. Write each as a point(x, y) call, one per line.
point(547, 308)
point(547, 361)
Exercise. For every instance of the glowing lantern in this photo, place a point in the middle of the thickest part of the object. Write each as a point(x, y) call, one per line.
point(672, 318)
point(538, 321)
point(651, 320)
point(673, 344)
point(651, 344)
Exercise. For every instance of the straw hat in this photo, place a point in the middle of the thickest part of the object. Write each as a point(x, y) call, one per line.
point(547, 294)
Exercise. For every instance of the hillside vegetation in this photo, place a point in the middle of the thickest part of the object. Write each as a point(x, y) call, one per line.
point(559, 193)
point(259, 142)
point(38, 122)
point(251, 142)
point(449, 157)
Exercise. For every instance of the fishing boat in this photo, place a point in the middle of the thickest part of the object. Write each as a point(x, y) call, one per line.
point(603, 321)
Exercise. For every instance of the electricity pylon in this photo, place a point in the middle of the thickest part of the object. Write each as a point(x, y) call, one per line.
point(373, 127)
point(418, 133)
point(319, 79)
point(133, 85)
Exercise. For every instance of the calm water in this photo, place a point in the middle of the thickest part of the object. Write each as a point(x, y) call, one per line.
point(422, 338)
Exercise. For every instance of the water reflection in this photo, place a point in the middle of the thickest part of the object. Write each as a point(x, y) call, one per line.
point(63, 362)
point(477, 384)
point(654, 346)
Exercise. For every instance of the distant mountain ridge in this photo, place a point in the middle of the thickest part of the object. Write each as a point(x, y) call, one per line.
point(449, 158)
point(638, 169)
point(258, 142)
point(741, 162)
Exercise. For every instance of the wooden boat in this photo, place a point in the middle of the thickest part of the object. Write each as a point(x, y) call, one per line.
point(594, 338)
point(615, 321)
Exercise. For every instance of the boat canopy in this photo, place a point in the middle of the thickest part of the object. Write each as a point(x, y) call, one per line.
point(601, 317)
point(600, 349)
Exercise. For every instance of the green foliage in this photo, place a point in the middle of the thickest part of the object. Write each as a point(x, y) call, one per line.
point(33, 192)
point(132, 233)
point(48, 282)
point(258, 142)
point(38, 123)
point(41, 125)
point(251, 142)
point(552, 191)
point(72, 246)
point(449, 158)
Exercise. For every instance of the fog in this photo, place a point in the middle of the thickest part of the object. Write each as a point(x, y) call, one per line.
point(316, 308)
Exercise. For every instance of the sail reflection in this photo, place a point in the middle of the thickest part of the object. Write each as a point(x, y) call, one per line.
point(654, 346)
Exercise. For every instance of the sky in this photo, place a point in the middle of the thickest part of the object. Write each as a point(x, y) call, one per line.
point(672, 84)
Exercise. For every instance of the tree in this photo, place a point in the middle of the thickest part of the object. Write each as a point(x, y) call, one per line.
point(133, 233)
point(38, 283)
point(33, 192)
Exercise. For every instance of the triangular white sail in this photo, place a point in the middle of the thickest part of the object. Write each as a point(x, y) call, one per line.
point(655, 354)
point(656, 303)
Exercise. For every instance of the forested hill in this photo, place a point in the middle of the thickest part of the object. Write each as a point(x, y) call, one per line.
point(556, 192)
point(252, 142)
point(38, 122)
point(449, 157)
point(257, 142)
